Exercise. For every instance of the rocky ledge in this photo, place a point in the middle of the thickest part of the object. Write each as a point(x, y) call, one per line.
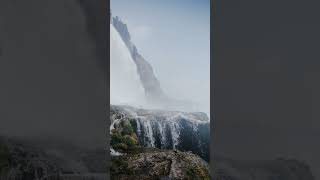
point(131, 127)
point(159, 164)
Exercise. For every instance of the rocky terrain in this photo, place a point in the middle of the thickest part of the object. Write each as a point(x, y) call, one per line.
point(153, 144)
point(159, 164)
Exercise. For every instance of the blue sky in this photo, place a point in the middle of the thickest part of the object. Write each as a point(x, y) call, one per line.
point(174, 36)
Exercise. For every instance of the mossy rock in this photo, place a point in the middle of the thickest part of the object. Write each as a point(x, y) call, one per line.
point(198, 172)
point(130, 141)
point(121, 146)
point(123, 138)
point(116, 138)
point(127, 128)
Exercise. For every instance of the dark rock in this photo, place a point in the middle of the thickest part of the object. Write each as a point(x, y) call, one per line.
point(159, 164)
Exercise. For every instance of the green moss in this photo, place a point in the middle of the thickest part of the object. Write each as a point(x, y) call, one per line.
point(198, 172)
point(127, 128)
point(124, 138)
point(121, 146)
point(116, 138)
point(130, 141)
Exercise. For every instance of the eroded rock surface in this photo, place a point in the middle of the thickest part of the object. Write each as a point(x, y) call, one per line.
point(159, 164)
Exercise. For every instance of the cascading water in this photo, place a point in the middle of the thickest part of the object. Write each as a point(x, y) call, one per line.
point(125, 84)
point(132, 80)
point(166, 129)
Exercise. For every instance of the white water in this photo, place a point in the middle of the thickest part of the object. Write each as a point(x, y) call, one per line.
point(114, 152)
point(151, 123)
point(126, 89)
point(125, 84)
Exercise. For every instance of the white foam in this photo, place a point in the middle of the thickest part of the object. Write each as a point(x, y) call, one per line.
point(125, 85)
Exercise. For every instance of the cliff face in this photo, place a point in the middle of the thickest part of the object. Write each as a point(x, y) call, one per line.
point(164, 129)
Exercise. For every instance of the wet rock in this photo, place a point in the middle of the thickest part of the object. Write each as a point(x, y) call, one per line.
point(159, 164)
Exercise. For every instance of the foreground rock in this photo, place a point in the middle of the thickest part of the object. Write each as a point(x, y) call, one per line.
point(159, 164)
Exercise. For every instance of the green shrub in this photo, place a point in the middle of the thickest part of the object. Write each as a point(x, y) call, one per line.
point(121, 146)
point(124, 138)
point(130, 141)
point(116, 138)
point(127, 129)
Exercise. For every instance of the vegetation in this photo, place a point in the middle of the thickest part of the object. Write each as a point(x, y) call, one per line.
point(124, 138)
point(198, 172)
point(195, 170)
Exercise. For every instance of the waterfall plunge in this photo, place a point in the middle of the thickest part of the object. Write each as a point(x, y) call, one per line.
point(125, 84)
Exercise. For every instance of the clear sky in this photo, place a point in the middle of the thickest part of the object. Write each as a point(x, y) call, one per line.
point(174, 36)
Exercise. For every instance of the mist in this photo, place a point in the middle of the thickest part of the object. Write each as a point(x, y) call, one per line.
point(125, 85)
point(52, 70)
point(176, 44)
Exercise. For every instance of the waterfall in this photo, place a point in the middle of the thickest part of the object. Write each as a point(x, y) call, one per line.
point(165, 131)
point(125, 84)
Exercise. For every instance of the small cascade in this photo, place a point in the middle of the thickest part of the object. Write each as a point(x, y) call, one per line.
point(166, 129)
point(147, 128)
point(114, 152)
point(162, 132)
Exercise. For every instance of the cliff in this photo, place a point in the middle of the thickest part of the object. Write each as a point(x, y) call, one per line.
point(162, 129)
